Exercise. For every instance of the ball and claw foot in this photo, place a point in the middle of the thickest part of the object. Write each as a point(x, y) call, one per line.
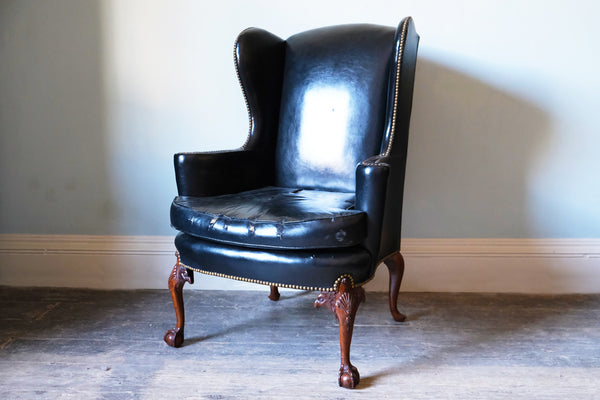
point(349, 376)
point(174, 337)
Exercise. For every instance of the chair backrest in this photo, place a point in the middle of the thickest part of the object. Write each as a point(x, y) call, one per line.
point(333, 104)
point(325, 100)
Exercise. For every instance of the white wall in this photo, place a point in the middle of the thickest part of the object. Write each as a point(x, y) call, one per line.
point(53, 125)
point(95, 97)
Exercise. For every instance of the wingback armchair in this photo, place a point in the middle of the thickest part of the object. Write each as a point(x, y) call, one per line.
point(313, 199)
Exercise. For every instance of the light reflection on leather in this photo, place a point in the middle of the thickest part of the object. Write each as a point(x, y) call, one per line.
point(324, 127)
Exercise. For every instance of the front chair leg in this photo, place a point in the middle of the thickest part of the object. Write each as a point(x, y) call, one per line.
point(179, 276)
point(395, 265)
point(344, 304)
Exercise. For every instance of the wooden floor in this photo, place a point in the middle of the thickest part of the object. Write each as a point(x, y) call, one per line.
point(84, 344)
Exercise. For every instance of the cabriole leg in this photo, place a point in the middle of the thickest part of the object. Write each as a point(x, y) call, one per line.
point(179, 276)
point(344, 304)
point(395, 265)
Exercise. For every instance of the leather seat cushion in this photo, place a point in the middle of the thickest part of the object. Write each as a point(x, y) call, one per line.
point(273, 217)
point(304, 269)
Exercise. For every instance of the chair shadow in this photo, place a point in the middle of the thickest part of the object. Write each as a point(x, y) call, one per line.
point(471, 149)
point(251, 322)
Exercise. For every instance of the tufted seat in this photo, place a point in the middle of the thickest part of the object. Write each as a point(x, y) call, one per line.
point(273, 218)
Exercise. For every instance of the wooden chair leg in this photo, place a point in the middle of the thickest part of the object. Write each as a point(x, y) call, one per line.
point(395, 265)
point(179, 276)
point(344, 304)
point(274, 293)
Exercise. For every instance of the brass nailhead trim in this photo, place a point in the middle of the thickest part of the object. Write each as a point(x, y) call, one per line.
point(283, 285)
point(396, 89)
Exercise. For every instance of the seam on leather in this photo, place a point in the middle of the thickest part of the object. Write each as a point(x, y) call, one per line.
point(374, 161)
point(397, 84)
point(191, 153)
point(382, 259)
point(216, 217)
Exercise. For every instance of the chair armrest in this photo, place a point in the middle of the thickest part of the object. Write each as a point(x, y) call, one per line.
point(215, 173)
point(371, 190)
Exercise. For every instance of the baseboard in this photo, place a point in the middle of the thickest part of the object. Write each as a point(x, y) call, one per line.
point(455, 265)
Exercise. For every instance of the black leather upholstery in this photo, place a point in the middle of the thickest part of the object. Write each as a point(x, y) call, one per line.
point(272, 217)
point(299, 269)
point(333, 104)
point(316, 191)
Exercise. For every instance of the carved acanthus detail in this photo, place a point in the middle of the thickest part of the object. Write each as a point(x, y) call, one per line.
point(326, 299)
point(346, 305)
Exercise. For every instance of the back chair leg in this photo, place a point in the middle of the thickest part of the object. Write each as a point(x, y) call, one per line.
point(344, 304)
point(179, 276)
point(395, 265)
point(274, 293)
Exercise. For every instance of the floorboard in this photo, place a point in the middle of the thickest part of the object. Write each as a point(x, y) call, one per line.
point(89, 344)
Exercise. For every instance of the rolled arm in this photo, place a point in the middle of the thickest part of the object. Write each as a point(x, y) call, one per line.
point(371, 188)
point(215, 173)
